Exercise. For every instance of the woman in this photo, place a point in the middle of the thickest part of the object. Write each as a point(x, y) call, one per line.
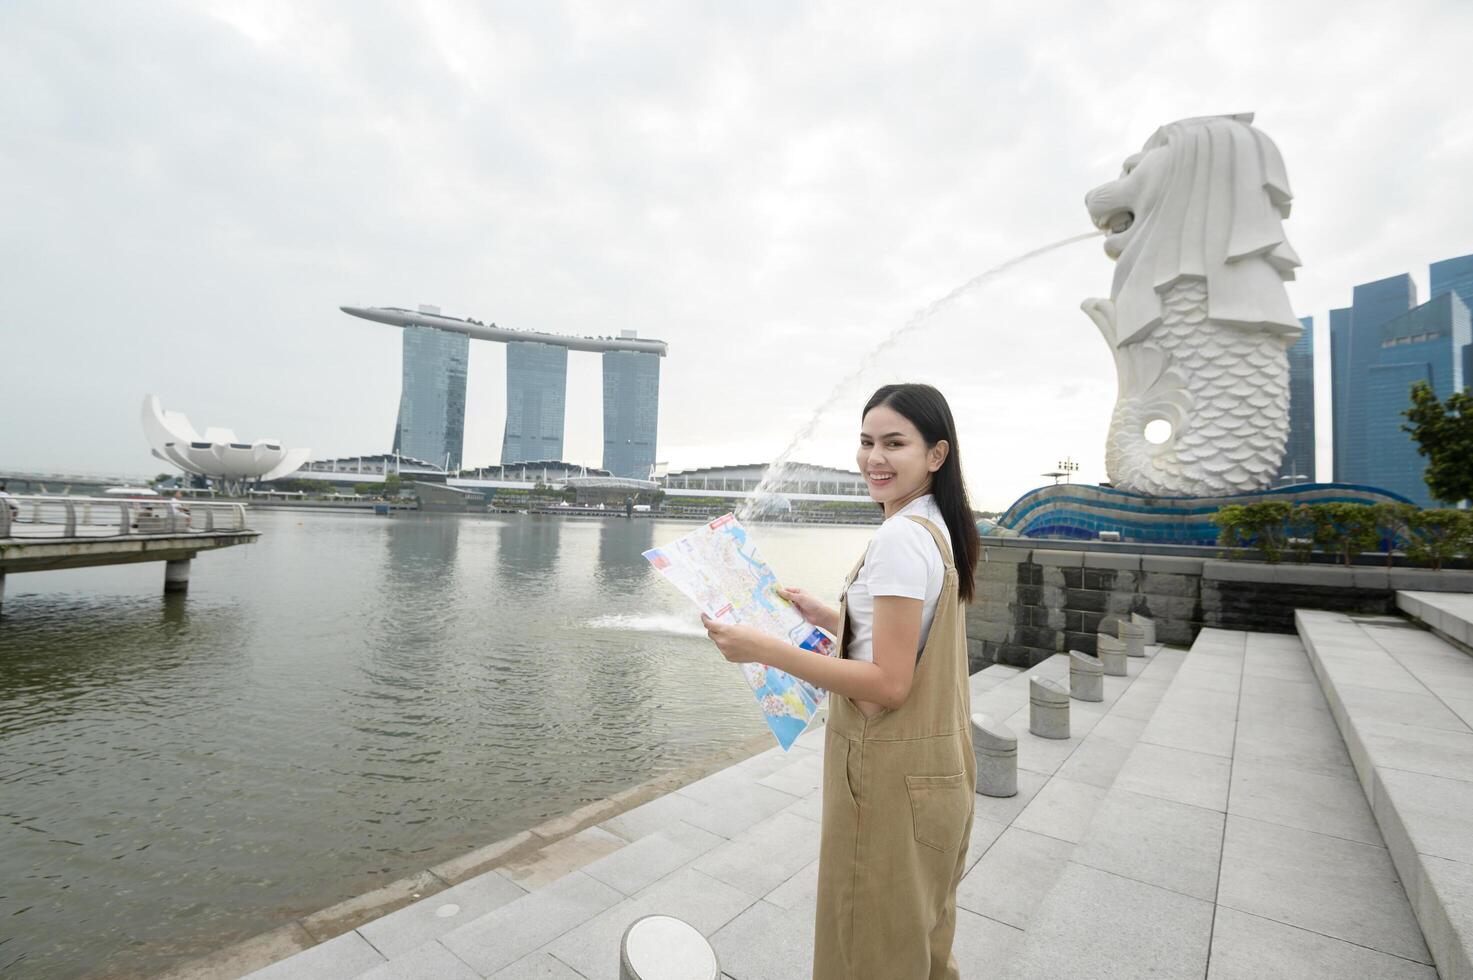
point(898, 767)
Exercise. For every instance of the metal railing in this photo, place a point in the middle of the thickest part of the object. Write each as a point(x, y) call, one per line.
point(57, 516)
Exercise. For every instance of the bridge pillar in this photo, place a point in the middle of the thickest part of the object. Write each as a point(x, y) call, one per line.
point(176, 576)
point(2, 591)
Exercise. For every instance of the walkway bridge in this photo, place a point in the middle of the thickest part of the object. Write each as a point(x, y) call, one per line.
point(44, 532)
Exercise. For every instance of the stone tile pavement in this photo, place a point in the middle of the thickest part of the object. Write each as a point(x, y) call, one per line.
point(736, 855)
point(1235, 842)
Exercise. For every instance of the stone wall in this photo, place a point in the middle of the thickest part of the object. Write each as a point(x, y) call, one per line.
point(1033, 602)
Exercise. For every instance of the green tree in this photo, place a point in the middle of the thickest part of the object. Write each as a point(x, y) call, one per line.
point(1345, 529)
point(1395, 522)
point(303, 486)
point(1443, 432)
point(1262, 525)
point(1437, 535)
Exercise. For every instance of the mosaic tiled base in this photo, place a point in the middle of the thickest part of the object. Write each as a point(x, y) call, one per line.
point(1082, 512)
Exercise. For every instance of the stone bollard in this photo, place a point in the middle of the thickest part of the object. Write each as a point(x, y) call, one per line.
point(1048, 708)
point(1148, 624)
point(1133, 635)
point(1086, 677)
point(660, 946)
point(996, 749)
point(1111, 652)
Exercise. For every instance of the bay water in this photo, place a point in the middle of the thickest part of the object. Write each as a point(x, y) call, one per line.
point(350, 700)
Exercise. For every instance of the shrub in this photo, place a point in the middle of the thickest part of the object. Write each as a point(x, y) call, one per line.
point(1345, 529)
point(1437, 535)
point(1254, 525)
point(1394, 523)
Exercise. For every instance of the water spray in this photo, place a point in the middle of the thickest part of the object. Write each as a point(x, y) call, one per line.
point(778, 469)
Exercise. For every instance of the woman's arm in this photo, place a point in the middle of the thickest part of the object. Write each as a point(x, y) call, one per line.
point(885, 682)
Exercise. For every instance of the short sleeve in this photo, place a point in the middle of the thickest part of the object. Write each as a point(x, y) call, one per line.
point(900, 559)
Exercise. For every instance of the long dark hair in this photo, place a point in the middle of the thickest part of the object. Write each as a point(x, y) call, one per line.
point(926, 409)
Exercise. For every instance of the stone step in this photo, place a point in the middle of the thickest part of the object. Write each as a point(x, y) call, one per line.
point(1449, 614)
point(1023, 843)
point(1402, 698)
point(1228, 846)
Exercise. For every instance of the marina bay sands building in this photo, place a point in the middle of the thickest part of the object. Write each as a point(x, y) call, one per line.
point(431, 423)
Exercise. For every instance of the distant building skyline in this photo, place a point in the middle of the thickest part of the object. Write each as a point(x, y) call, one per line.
point(1380, 346)
point(431, 422)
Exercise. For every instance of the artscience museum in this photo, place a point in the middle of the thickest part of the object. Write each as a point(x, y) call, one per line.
point(218, 454)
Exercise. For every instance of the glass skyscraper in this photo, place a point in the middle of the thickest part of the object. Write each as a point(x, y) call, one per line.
point(1454, 276)
point(1380, 347)
point(536, 402)
point(1339, 388)
point(1298, 465)
point(1424, 344)
point(631, 412)
point(1373, 304)
point(431, 422)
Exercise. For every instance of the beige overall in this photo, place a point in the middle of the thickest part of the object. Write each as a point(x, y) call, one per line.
point(897, 814)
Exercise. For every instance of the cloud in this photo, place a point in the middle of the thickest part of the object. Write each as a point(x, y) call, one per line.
point(191, 191)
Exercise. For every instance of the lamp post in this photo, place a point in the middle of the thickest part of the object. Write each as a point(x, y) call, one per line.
point(1064, 469)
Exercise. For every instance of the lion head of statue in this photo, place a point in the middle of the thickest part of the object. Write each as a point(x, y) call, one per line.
point(1205, 198)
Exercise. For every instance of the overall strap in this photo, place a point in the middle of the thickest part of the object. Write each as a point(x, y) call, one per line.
point(942, 541)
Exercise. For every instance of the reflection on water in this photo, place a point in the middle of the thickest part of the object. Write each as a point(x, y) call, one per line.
point(622, 569)
point(349, 700)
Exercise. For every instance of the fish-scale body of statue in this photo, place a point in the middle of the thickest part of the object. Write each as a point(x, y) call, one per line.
point(1198, 318)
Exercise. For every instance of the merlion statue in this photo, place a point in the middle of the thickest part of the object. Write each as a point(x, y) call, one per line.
point(1198, 318)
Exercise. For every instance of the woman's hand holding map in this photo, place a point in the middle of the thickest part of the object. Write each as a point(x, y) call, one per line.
point(824, 616)
point(744, 644)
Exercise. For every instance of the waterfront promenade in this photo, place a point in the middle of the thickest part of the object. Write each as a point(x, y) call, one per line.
point(42, 533)
point(1205, 820)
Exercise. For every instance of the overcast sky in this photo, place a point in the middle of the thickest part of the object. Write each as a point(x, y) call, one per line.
point(188, 191)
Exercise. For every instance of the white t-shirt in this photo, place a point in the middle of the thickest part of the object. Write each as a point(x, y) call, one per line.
point(902, 560)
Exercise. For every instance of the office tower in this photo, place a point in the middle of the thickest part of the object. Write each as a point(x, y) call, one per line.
point(1379, 348)
point(1298, 465)
point(1373, 305)
point(536, 401)
point(1423, 344)
point(1454, 276)
point(1339, 388)
point(631, 412)
point(431, 423)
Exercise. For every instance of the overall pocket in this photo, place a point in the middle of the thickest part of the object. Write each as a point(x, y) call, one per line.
point(939, 808)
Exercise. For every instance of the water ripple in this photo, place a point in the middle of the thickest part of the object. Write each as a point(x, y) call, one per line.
point(349, 700)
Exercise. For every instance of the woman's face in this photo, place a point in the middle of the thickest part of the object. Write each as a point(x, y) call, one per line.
point(893, 456)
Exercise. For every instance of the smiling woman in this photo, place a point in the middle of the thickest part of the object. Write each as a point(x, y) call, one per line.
point(898, 767)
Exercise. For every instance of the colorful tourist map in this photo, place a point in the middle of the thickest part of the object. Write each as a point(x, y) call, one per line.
point(717, 566)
